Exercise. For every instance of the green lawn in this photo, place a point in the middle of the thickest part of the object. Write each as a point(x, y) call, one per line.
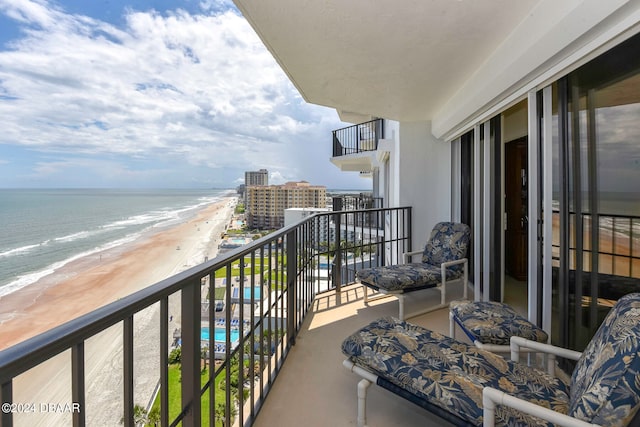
point(175, 394)
point(248, 271)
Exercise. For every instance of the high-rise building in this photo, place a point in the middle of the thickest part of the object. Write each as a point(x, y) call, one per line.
point(265, 205)
point(260, 177)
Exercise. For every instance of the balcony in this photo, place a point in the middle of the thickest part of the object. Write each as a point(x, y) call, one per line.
point(354, 147)
point(282, 292)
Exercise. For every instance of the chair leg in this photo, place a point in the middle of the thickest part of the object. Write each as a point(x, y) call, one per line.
point(465, 282)
point(363, 385)
point(452, 326)
point(401, 306)
point(443, 285)
point(366, 294)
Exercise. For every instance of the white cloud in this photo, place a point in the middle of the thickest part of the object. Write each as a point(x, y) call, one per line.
point(200, 89)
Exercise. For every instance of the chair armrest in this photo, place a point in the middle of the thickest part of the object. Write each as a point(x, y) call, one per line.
point(456, 262)
point(407, 255)
point(492, 397)
point(516, 343)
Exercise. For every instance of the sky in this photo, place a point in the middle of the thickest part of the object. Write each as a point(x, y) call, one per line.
point(151, 94)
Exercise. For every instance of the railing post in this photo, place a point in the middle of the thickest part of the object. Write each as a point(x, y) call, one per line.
point(77, 384)
point(337, 148)
point(6, 396)
point(409, 230)
point(292, 274)
point(337, 259)
point(127, 363)
point(190, 353)
point(164, 361)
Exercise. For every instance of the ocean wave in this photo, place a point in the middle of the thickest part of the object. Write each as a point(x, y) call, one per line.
point(134, 220)
point(161, 217)
point(135, 226)
point(32, 277)
point(77, 236)
point(178, 215)
point(22, 249)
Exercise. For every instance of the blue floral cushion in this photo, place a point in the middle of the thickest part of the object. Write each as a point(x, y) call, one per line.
point(606, 380)
point(451, 374)
point(493, 322)
point(448, 242)
point(404, 277)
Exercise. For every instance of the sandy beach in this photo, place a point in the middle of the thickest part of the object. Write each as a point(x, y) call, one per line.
point(92, 282)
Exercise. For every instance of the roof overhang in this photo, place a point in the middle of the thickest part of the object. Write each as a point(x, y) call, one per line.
point(439, 60)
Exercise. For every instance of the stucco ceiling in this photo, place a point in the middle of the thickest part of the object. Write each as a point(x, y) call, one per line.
point(400, 60)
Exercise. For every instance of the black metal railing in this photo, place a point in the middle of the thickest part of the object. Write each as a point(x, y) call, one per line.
point(350, 202)
point(358, 138)
point(268, 287)
point(618, 240)
point(358, 202)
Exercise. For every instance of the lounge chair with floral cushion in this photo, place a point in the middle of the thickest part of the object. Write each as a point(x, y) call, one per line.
point(443, 259)
point(469, 386)
point(490, 324)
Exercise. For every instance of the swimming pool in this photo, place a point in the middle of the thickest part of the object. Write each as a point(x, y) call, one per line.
point(246, 293)
point(219, 334)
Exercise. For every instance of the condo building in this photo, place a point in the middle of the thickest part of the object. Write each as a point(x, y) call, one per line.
point(260, 177)
point(266, 204)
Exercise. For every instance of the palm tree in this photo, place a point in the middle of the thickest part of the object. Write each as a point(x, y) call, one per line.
point(204, 355)
point(220, 413)
point(139, 416)
point(153, 417)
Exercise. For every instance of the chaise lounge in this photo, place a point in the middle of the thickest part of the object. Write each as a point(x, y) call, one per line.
point(443, 259)
point(468, 386)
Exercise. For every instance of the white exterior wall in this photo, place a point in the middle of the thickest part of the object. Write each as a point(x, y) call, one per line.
point(389, 181)
point(293, 215)
point(425, 178)
point(419, 174)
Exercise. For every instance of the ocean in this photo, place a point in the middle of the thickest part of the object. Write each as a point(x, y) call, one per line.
point(42, 230)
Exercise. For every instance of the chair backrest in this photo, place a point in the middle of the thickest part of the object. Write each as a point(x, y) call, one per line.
point(605, 385)
point(448, 242)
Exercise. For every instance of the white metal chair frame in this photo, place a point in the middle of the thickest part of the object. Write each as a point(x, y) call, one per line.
point(442, 287)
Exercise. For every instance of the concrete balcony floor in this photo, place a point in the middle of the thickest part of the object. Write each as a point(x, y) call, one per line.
point(315, 390)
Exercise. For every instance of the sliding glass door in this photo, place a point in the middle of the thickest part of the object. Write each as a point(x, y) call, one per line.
point(596, 191)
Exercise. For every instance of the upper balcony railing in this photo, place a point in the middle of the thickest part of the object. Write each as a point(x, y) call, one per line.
point(355, 202)
point(357, 138)
point(268, 285)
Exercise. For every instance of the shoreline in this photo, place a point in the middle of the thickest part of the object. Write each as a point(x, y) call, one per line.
point(96, 283)
point(111, 274)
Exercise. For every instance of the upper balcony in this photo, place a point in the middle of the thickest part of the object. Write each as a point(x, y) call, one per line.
point(354, 147)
